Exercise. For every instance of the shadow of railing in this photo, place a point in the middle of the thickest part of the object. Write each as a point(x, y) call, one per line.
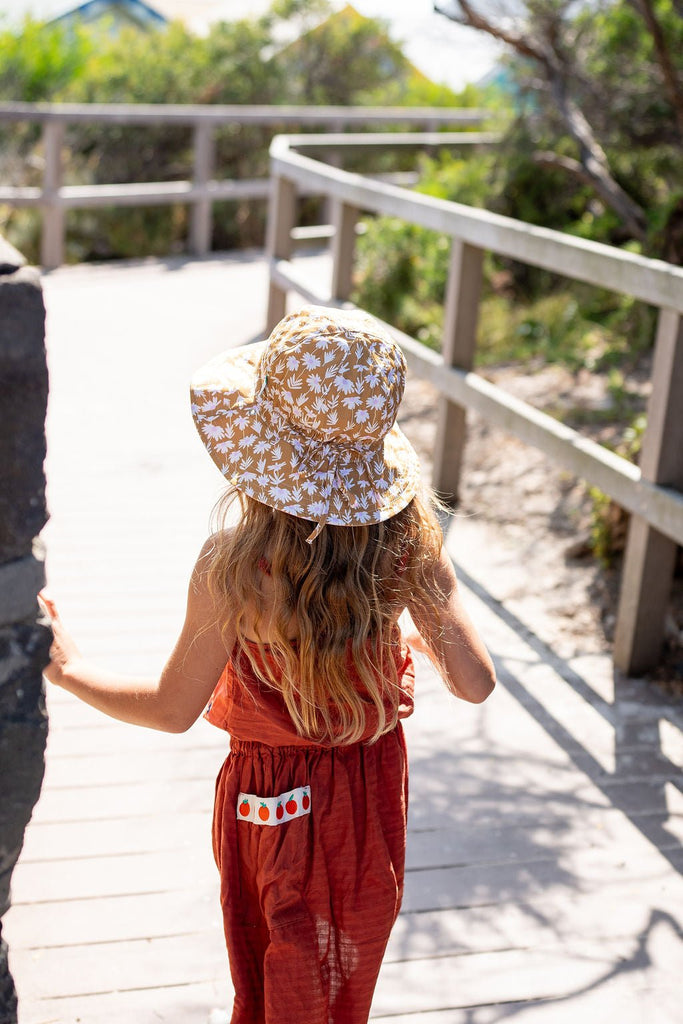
point(635, 716)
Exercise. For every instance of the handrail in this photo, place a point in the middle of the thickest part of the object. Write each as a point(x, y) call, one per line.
point(653, 281)
point(652, 491)
point(217, 113)
point(203, 191)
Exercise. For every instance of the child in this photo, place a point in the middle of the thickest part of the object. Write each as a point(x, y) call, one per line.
point(291, 636)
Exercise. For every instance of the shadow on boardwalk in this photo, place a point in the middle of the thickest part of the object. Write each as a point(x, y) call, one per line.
point(545, 827)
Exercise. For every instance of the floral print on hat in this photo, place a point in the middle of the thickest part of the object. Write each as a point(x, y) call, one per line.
point(305, 421)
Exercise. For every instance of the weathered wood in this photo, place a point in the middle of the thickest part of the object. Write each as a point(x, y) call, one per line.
point(201, 218)
point(349, 142)
point(165, 113)
point(461, 314)
point(652, 281)
point(52, 240)
point(344, 220)
point(279, 244)
point(585, 458)
point(663, 507)
point(650, 555)
point(526, 826)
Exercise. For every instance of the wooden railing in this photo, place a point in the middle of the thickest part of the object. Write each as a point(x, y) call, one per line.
point(652, 491)
point(54, 198)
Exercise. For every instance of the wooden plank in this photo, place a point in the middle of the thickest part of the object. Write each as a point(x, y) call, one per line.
point(156, 193)
point(175, 1003)
point(132, 801)
point(650, 556)
point(459, 340)
point(201, 218)
point(279, 244)
point(113, 919)
point(349, 142)
point(450, 888)
point(276, 114)
point(507, 977)
point(52, 237)
point(344, 220)
point(70, 973)
point(616, 476)
point(546, 824)
point(652, 281)
point(608, 1002)
point(122, 875)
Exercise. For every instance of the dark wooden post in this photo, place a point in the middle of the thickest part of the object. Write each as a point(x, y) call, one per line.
point(459, 340)
point(650, 556)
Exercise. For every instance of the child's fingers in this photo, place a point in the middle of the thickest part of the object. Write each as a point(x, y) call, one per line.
point(47, 605)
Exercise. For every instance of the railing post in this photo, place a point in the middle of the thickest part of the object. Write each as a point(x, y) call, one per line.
point(650, 556)
point(344, 218)
point(279, 245)
point(201, 220)
point(461, 314)
point(52, 238)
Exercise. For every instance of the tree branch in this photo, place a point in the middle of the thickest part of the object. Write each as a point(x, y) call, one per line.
point(673, 88)
point(546, 158)
point(557, 72)
point(470, 18)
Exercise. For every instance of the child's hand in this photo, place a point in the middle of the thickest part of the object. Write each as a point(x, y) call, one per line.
point(63, 651)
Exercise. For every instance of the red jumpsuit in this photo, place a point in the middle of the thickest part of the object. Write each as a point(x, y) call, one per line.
point(310, 845)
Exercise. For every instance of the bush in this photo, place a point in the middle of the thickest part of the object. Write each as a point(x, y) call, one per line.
point(346, 60)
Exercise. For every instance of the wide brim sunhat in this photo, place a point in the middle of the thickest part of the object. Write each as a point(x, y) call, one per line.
point(305, 421)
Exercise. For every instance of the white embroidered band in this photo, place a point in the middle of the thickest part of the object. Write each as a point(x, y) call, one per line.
point(274, 810)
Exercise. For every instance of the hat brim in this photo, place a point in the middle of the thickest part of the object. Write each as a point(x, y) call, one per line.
point(324, 483)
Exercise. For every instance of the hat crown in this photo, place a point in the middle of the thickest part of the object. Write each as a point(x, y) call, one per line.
point(334, 380)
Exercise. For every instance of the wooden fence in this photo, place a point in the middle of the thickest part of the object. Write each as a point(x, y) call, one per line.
point(651, 491)
point(54, 198)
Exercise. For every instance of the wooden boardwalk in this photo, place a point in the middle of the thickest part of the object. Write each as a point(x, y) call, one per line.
point(546, 826)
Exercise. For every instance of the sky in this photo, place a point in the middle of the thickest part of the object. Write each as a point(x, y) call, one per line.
point(445, 52)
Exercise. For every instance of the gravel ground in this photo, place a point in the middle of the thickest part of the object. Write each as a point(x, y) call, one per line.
point(530, 522)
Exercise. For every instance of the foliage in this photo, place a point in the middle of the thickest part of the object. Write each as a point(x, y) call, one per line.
point(345, 60)
point(616, 81)
point(39, 61)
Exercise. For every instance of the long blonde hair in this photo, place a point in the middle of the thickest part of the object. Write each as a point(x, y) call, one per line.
point(345, 590)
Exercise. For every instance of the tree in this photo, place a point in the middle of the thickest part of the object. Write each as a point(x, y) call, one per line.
point(573, 56)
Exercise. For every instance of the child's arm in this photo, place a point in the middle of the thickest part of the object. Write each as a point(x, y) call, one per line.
point(449, 637)
point(174, 700)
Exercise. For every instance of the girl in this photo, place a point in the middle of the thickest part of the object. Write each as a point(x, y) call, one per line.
point(291, 636)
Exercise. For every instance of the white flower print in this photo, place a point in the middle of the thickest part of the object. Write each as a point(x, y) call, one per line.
point(344, 384)
point(310, 360)
point(212, 430)
point(317, 508)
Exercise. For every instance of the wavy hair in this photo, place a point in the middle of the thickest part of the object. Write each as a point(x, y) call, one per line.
point(340, 678)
